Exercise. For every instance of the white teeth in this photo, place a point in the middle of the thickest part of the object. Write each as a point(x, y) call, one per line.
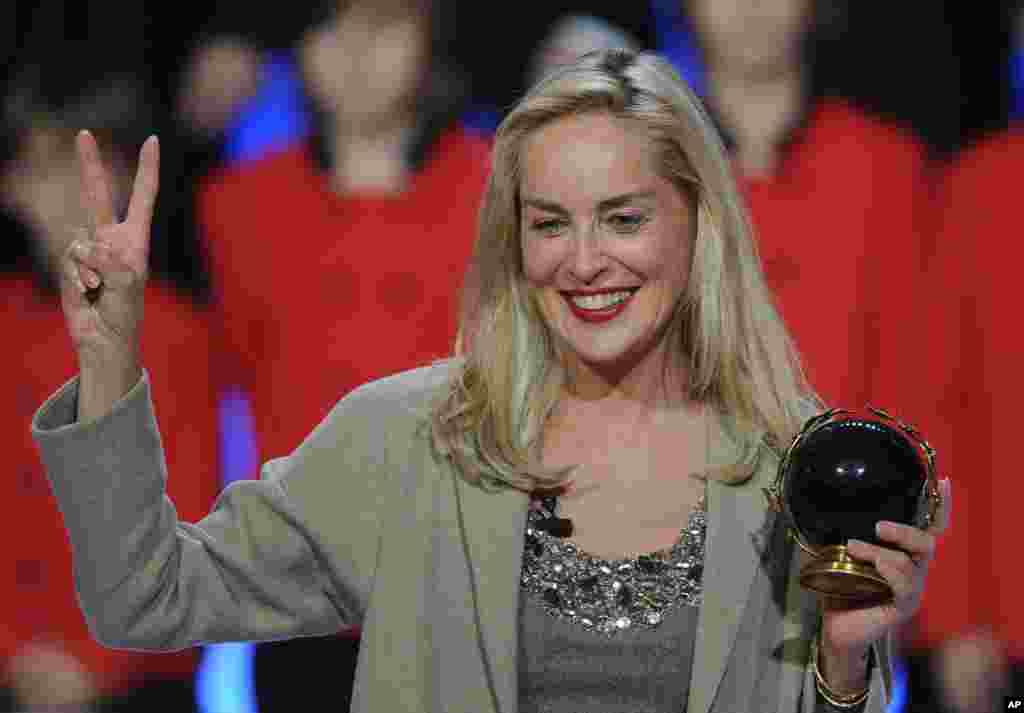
point(602, 301)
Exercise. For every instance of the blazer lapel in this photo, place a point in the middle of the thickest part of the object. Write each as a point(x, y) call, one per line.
point(736, 514)
point(494, 525)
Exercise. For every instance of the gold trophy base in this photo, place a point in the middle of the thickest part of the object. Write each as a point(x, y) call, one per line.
point(835, 574)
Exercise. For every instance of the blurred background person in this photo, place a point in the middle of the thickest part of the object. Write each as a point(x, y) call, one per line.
point(974, 673)
point(569, 37)
point(573, 36)
point(967, 392)
point(382, 196)
point(200, 66)
point(857, 287)
point(202, 88)
point(803, 160)
point(49, 658)
point(806, 154)
point(219, 77)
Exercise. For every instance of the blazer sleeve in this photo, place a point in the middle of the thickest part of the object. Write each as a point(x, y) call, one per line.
point(255, 568)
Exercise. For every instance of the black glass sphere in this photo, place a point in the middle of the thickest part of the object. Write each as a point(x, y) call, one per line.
point(846, 475)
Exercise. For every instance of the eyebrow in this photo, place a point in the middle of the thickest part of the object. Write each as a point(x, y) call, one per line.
point(606, 204)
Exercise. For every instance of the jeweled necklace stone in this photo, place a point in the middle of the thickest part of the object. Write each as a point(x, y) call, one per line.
point(616, 595)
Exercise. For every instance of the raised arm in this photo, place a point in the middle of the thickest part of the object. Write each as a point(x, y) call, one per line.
point(270, 561)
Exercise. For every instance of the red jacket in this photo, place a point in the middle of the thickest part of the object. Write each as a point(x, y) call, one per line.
point(319, 293)
point(968, 390)
point(839, 230)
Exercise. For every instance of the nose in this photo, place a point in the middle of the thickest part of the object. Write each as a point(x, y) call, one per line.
point(588, 259)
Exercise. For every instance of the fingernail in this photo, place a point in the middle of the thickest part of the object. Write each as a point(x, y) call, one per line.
point(878, 528)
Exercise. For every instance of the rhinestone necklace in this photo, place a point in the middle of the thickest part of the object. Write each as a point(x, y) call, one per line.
point(612, 596)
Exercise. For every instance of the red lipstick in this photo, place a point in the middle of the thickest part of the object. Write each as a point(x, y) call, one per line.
point(597, 316)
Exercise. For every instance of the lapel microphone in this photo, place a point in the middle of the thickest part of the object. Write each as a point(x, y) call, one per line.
point(552, 524)
point(556, 526)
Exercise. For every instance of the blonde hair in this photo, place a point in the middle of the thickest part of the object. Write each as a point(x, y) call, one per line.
point(738, 355)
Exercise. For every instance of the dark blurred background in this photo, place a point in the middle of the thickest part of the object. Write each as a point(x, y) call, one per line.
point(943, 67)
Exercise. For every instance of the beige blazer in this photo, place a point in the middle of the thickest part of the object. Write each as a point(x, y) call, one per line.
point(362, 524)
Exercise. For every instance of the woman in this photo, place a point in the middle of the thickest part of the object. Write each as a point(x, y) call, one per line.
point(615, 320)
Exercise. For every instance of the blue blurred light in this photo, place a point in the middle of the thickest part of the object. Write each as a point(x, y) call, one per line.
point(481, 120)
point(273, 119)
point(224, 677)
point(899, 688)
point(675, 41)
point(237, 437)
point(1017, 84)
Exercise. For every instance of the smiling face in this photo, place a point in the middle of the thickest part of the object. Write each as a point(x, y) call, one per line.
point(607, 242)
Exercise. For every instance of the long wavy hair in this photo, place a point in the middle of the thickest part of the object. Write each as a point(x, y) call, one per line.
point(727, 332)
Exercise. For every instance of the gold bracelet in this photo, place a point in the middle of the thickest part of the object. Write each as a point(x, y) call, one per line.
point(837, 699)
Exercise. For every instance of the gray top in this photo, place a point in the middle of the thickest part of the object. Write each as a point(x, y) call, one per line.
point(565, 667)
point(610, 636)
point(607, 635)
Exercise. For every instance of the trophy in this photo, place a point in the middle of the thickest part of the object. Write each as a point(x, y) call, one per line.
point(843, 472)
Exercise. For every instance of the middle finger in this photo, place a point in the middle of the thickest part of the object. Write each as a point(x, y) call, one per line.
point(898, 568)
point(97, 195)
point(920, 545)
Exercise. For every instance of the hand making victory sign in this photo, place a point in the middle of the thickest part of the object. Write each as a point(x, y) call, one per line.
point(103, 275)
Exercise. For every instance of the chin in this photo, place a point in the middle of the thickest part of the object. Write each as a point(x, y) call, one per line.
point(618, 358)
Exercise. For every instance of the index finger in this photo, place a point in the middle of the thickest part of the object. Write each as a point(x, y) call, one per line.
point(147, 181)
point(97, 197)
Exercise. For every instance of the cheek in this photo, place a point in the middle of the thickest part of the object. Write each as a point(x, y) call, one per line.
point(668, 267)
point(540, 262)
point(658, 256)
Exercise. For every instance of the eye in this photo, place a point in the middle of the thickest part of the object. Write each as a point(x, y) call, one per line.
point(547, 226)
point(626, 222)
